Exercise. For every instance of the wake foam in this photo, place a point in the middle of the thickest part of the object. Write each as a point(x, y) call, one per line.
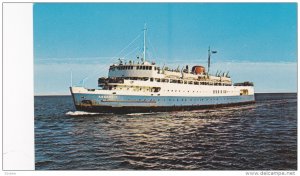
point(138, 114)
point(80, 113)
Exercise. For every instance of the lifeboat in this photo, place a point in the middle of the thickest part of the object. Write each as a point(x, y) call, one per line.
point(198, 70)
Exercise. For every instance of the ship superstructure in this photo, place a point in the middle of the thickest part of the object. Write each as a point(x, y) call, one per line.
point(143, 86)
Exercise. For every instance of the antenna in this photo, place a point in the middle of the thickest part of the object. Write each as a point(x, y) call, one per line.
point(145, 29)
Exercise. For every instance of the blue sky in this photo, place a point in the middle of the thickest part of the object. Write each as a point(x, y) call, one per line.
point(260, 38)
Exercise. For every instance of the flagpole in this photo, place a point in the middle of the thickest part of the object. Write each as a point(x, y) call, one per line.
point(71, 81)
point(208, 60)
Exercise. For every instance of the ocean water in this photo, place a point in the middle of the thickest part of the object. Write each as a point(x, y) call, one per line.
point(260, 136)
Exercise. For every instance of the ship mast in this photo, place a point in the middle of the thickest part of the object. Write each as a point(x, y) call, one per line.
point(209, 55)
point(145, 29)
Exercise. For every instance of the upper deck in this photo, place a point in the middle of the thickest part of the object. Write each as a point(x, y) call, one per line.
point(149, 71)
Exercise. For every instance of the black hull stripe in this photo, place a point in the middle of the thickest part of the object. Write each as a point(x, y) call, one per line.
point(139, 109)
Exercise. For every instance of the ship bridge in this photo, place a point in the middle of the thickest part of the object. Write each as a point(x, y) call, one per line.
point(144, 70)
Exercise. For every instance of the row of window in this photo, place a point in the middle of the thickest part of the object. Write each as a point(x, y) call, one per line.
point(155, 89)
point(131, 67)
point(144, 67)
point(219, 91)
point(195, 91)
point(180, 81)
point(123, 67)
point(158, 89)
point(185, 99)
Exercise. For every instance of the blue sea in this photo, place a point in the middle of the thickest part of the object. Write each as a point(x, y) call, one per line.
point(260, 136)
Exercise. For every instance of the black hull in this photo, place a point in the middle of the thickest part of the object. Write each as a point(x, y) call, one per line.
point(139, 109)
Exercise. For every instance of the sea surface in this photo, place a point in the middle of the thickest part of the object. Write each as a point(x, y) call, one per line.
point(260, 136)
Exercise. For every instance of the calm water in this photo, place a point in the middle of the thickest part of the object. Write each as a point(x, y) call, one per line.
point(252, 137)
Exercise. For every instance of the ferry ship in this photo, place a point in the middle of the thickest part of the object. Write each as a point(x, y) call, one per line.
point(145, 87)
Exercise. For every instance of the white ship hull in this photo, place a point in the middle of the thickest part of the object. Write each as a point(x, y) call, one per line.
point(168, 99)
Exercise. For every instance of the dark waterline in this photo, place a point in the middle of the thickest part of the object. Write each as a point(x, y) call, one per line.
point(260, 136)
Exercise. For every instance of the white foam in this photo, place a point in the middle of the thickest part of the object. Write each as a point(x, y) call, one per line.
point(137, 114)
point(80, 113)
